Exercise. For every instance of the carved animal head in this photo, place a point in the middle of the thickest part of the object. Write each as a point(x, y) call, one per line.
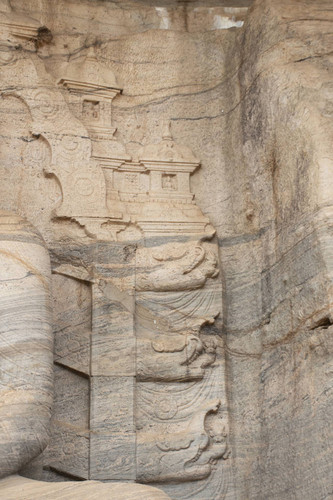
point(210, 346)
point(218, 435)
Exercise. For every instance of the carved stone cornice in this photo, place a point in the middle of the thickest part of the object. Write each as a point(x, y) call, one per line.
point(86, 75)
point(18, 25)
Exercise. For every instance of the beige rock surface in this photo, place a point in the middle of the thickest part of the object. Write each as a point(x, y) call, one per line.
point(281, 295)
point(253, 104)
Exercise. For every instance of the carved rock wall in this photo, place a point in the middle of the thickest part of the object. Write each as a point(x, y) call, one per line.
point(137, 297)
point(254, 106)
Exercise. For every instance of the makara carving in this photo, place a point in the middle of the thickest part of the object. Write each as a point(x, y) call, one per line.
point(186, 455)
point(174, 357)
point(175, 267)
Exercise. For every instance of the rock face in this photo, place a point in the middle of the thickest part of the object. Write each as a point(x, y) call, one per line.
point(185, 326)
point(281, 302)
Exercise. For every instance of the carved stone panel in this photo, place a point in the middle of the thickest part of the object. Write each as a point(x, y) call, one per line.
point(182, 421)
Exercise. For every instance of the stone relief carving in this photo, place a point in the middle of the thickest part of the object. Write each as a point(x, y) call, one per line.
point(174, 358)
point(91, 90)
point(177, 292)
point(91, 87)
point(184, 455)
point(136, 332)
point(155, 338)
point(82, 185)
point(17, 25)
point(27, 376)
point(149, 304)
point(139, 349)
point(175, 266)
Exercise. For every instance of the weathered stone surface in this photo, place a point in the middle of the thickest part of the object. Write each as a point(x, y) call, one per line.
point(139, 283)
point(282, 291)
point(72, 322)
point(69, 448)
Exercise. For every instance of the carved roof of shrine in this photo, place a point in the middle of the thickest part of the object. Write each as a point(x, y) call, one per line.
point(89, 72)
point(17, 24)
point(167, 150)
